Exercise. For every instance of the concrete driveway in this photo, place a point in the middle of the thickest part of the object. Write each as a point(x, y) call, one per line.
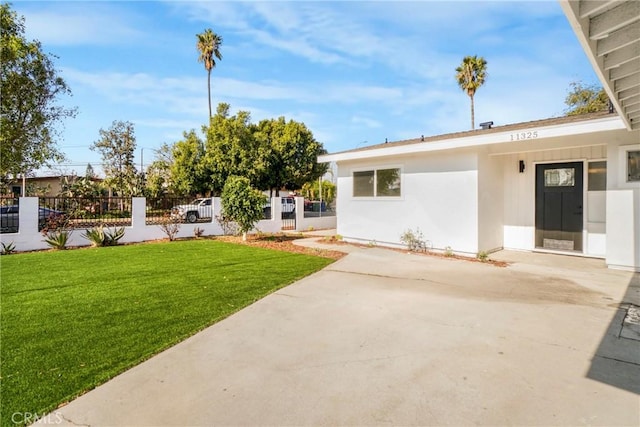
point(388, 338)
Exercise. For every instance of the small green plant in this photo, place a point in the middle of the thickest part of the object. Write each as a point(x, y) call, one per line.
point(372, 244)
point(56, 231)
point(8, 248)
point(57, 239)
point(448, 252)
point(483, 256)
point(310, 228)
point(197, 232)
point(95, 236)
point(338, 237)
point(170, 225)
point(99, 236)
point(414, 240)
point(114, 236)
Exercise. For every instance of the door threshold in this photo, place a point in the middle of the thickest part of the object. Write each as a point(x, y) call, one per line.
point(569, 253)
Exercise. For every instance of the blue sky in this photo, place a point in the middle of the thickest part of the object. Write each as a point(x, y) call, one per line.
point(355, 72)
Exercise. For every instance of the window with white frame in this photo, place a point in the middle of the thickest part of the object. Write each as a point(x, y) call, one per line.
point(377, 183)
point(633, 165)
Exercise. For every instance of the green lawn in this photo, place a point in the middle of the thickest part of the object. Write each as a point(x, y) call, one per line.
point(70, 320)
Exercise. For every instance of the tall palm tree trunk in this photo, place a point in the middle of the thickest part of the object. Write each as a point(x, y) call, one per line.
point(473, 122)
point(209, 90)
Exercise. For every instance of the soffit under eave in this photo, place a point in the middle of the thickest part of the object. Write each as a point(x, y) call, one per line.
point(609, 32)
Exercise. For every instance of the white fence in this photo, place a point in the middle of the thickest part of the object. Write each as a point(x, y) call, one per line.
point(28, 238)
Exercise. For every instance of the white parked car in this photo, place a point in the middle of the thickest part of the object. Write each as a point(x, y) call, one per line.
point(288, 207)
point(198, 209)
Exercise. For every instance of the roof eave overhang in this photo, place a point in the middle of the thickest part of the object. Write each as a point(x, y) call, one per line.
point(524, 135)
point(609, 32)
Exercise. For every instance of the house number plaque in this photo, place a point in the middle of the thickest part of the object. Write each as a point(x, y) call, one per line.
point(521, 136)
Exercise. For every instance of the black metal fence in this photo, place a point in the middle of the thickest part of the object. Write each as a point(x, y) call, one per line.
point(180, 209)
point(86, 212)
point(9, 214)
point(266, 210)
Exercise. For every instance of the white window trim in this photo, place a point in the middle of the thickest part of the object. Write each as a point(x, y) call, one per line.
point(623, 173)
point(375, 169)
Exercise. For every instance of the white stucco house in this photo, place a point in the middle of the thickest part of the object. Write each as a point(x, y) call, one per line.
point(569, 185)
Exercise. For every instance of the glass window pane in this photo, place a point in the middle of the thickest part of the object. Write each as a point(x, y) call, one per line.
point(597, 176)
point(363, 184)
point(563, 177)
point(633, 166)
point(388, 183)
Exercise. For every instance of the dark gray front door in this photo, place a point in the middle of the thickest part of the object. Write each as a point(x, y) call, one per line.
point(559, 197)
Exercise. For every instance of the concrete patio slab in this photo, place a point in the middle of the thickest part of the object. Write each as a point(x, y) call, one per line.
point(383, 337)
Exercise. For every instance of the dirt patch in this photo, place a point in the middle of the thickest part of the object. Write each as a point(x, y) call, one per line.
point(281, 242)
point(335, 240)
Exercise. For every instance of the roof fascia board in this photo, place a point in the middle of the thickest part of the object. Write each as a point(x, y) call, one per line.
point(542, 132)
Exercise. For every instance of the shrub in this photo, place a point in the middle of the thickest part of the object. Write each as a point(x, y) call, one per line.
point(197, 232)
point(170, 225)
point(414, 240)
point(229, 228)
point(242, 204)
point(448, 252)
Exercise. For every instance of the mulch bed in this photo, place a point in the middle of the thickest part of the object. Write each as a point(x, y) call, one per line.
point(281, 242)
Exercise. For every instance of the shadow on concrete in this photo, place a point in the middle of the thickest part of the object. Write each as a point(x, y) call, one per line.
point(617, 360)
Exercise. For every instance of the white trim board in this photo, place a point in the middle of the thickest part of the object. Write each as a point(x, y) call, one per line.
point(542, 132)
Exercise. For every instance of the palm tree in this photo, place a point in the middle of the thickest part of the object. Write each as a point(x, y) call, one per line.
point(209, 47)
point(470, 75)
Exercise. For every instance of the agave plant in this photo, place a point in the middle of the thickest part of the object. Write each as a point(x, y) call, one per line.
point(99, 236)
point(112, 237)
point(95, 236)
point(8, 248)
point(57, 239)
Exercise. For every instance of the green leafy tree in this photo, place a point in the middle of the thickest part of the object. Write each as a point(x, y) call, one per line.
point(80, 186)
point(470, 75)
point(30, 118)
point(242, 204)
point(583, 98)
point(316, 190)
point(274, 154)
point(230, 148)
point(287, 155)
point(187, 170)
point(208, 46)
point(117, 146)
point(158, 182)
point(35, 190)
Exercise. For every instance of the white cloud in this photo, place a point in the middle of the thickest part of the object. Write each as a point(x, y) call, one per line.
point(146, 89)
point(65, 24)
